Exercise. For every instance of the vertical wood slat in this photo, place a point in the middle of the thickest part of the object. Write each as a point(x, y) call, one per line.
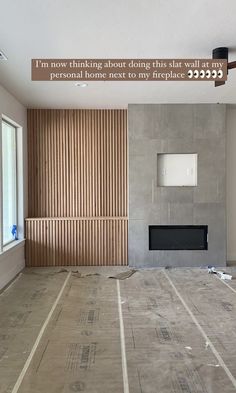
point(77, 163)
point(81, 242)
point(77, 168)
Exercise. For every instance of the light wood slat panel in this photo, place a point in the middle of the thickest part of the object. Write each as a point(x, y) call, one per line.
point(77, 163)
point(80, 242)
point(78, 181)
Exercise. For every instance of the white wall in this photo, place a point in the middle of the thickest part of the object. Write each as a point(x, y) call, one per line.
point(231, 181)
point(12, 261)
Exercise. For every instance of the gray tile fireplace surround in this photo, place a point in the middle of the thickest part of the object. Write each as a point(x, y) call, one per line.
point(197, 128)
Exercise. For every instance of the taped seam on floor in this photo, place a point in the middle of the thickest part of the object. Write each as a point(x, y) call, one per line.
point(122, 342)
point(42, 330)
point(217, 355)
point(223, 282)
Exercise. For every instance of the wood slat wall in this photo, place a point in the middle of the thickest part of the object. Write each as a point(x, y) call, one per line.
point(75, 241)
point(77, 162)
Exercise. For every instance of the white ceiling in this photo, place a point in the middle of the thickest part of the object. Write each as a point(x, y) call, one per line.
point(113, 29)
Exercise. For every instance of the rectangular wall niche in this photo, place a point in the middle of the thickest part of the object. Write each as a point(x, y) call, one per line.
point(177, 170)
point(178, 237)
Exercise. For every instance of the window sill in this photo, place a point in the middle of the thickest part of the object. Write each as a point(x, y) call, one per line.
point(12, 246)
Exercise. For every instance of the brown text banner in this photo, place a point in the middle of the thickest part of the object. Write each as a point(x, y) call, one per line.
point(129, 69)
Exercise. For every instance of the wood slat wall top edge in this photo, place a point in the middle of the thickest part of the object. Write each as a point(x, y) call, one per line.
point(75, 218)
point(77, 110)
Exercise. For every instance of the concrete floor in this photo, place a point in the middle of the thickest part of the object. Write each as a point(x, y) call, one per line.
point(179, 328)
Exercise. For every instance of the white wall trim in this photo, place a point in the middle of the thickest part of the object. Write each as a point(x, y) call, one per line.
point(12, 259)
point(12, 247)
point(11, 263)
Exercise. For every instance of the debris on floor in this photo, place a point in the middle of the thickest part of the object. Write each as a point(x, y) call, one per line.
point(207, 345)
point(189, 348)
point(63, 270)
point(91, 274)
point(124, 275)
point(220, 274)
point(213, 365)
point(78, 274)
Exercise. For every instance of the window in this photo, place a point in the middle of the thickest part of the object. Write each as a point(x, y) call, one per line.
point(9, 182)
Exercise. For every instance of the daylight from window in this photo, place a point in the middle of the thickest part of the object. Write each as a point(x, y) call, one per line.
point(9, 181)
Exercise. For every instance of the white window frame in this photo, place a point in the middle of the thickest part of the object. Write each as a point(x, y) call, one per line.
point(17, 127)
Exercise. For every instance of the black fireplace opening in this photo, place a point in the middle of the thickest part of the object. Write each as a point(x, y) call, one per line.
point(178, 237)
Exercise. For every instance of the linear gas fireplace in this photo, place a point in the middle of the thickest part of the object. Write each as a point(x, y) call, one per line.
point(178, 237)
